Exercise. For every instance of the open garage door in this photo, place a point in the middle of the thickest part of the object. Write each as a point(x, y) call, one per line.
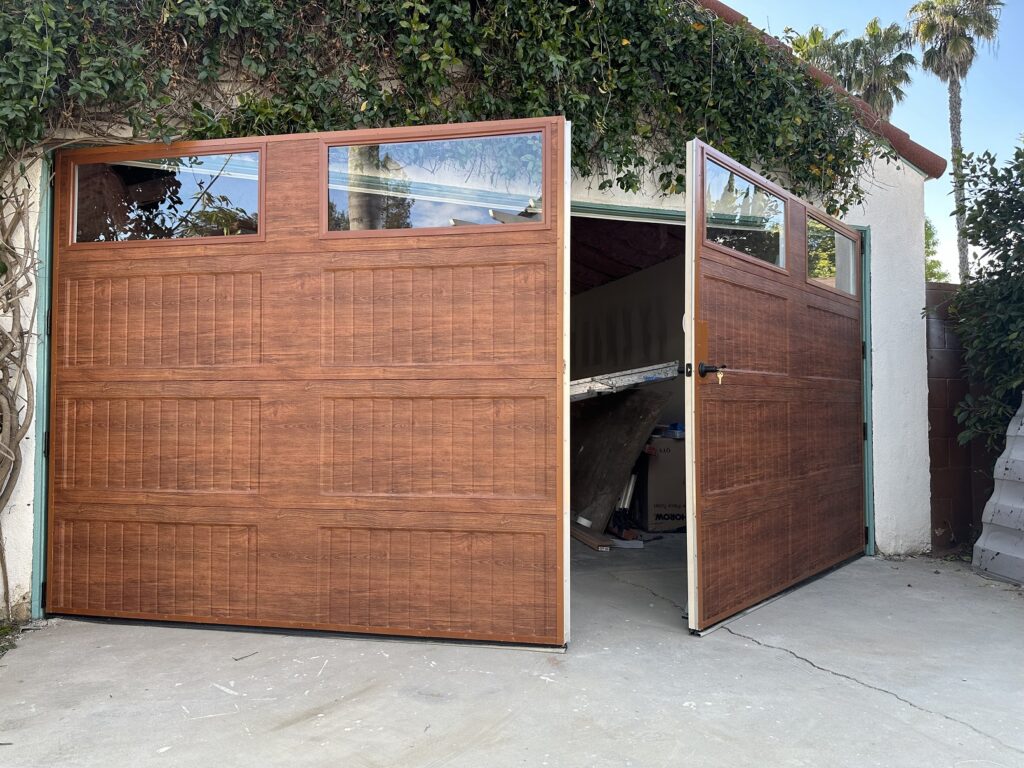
point(314, 381)
point(773, 332)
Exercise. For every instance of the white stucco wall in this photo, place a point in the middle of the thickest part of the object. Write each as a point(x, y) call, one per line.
point(650, 196)
point(16, 521)
point(894, 209)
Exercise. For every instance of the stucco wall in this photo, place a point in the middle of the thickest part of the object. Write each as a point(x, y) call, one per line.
point(650, 196)
point(894, 210)
point(17, 518)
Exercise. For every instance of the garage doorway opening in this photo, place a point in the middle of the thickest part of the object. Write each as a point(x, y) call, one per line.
point(627, 410)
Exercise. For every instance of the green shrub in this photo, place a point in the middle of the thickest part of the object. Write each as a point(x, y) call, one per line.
point(989, 308)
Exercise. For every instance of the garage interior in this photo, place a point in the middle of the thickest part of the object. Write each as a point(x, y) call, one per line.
point(627, 426)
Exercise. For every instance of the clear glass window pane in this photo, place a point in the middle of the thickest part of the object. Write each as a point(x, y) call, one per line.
point(743, 216)
point(165, 198)
point(831, 257)
point(443, 183)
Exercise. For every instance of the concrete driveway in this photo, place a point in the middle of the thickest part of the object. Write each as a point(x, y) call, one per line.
point(914, 663)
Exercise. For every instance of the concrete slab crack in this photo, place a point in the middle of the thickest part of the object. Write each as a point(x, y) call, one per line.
point(648, 590)
point(877, 688)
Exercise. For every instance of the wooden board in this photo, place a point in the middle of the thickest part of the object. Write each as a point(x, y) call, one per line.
point(608, 434)
point(357, 431)
point(776, 491)
point(600, 542)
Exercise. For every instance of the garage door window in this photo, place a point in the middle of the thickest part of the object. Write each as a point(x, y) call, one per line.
point(468, 182)
point(743, 216)
point(831, 258)
point(167, 198)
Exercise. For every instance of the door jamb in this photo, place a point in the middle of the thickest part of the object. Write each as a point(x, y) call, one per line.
point(869, 436)
point(566, 421)
point(694, 158)
point(44, 257)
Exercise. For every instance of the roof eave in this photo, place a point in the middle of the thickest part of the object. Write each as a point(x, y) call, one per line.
point(932, 164)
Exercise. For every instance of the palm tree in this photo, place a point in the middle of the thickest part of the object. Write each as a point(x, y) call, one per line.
point(818, 47)
point(949, 31)
point(874, 67)
point(881, 62)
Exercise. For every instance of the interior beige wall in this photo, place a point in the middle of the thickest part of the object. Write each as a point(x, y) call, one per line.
point(629, 323)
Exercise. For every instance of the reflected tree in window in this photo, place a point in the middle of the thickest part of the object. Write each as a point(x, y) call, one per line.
point(387, 209)
point(742, 216)
point(821, 251)
point(831, 257)
point(442, 183)
point(204, 196)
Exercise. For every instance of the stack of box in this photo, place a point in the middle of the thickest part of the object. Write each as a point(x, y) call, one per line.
point(666, 486)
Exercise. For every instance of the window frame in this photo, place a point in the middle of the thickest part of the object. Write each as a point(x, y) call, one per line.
point(114, 154)
point(836, 226)
point(454, 131)
point(758, 181)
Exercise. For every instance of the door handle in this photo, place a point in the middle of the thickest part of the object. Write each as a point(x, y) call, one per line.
point(703, 369)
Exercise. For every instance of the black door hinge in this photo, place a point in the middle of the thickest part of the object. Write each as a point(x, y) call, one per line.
point(864, 424)
point(863, 350)
point(46, 444)
point(688, 369)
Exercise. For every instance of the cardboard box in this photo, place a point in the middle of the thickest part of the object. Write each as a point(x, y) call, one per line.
point(666, 486)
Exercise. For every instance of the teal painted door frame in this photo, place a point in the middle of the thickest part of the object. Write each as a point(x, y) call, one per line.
point(42, 415)
point(869, 468)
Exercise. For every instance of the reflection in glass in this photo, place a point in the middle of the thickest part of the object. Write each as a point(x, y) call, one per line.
point(442, 183)
point(831, 257)
point(165, 198)
point(742, 216)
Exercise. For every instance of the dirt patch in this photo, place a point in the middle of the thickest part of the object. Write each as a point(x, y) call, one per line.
point(8, 637)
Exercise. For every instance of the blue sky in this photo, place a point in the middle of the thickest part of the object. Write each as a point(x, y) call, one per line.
point(993, 93)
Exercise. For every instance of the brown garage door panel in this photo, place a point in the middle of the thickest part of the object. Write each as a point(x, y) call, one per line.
point(355, 431)
point(357, 571)
point(430, 313)
point(158, 441)
point(181, 319)
point(248, 448)
point(456, 443)
point(103, 564)
point(464, 446)
point(478, 582)
point(758, 543)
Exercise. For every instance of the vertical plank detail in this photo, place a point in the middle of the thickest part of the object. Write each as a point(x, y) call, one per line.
point(163, 321)
point(158, 444)
point(435, 447)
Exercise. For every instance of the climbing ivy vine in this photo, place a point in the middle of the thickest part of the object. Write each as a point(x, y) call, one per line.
point(638, 79)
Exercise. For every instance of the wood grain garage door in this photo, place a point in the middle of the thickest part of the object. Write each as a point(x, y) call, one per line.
point(775, 449)
point(313, 381)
